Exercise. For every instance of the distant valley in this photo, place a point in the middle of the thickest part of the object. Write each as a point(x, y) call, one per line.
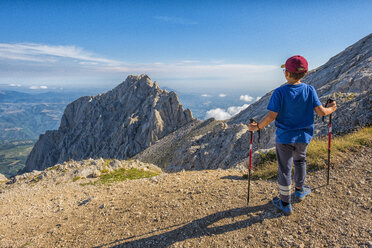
point(13, 156)
point(23, 117)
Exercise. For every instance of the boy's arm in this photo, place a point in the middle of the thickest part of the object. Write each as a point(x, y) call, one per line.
point(323, 111)
point(266, 121)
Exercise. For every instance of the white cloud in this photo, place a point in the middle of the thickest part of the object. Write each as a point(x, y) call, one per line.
point(15, 85)
point(52, 63)
point(42, 87)
point(88, 63)
point(190, 61)
point(246, 98)
point(221, 114)
point(218, 114)
point(205, 95)
point(222, 95)
point(48, 53)
point(258, 98)
point(234, 110)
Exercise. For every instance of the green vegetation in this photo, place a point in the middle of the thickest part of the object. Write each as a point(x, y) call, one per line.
point(13, 156)
point(26, 244)
point(317, 152)
point(52, 168)
point(76, 178)
point(35, 179)
point(267, 168)
point(107, 162)
point(122, 175)
point(350, 96)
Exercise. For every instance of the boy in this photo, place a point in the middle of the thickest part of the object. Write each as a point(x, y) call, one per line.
point(292, 107)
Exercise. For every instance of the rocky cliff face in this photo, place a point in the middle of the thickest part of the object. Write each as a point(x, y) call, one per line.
point(117, 124)
point(347, 78)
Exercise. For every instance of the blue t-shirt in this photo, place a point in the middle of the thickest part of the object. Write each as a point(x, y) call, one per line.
point(295, 107)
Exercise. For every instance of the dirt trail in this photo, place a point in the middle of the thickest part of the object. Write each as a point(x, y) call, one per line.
point(191, 209)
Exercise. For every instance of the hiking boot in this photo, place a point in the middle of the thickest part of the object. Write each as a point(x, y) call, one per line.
point(300, 194)
point(279, 204)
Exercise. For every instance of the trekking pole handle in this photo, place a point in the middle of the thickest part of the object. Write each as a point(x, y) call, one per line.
point(259, 130)
point(251, 121)
point(330, 100)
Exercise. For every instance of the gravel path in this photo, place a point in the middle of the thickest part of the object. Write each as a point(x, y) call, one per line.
point(191, 209)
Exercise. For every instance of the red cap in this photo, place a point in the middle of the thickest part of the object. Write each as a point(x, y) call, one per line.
point(296, 64)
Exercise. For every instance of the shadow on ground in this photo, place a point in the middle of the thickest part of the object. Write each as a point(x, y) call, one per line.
point(235, 177)
point(200, 227)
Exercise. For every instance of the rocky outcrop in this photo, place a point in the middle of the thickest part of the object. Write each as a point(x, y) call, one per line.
point(347, 78)
point(118, 124)
point(3, 179)
point(84, 171)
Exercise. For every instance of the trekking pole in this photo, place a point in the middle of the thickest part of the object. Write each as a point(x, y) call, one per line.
point(329, 139)
point(250, 161)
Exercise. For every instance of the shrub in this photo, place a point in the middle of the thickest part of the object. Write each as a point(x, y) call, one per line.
point(317, 152)
point(122, 175)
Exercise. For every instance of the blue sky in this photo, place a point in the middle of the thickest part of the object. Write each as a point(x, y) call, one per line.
point(185, 45)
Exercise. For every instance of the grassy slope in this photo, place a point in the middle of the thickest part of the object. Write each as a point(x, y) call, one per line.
point(13, 156)
point(317, 152)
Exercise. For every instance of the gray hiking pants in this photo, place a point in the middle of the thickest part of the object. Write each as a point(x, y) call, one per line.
point(288, 154)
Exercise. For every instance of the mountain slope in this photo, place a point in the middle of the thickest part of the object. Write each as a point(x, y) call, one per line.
point(117, 124)
point(347, 78)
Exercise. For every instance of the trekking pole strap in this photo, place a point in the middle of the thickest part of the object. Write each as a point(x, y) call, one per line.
point(259, 130)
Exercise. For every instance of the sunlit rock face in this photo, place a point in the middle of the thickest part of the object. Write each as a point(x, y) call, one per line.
point(117, 124)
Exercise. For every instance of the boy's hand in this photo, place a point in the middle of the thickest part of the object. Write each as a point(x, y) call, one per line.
point(329, 108)
point(253, 127)
point(332, 105)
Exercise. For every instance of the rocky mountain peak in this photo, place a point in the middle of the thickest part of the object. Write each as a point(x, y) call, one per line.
point(137, 82)
point(117, 124)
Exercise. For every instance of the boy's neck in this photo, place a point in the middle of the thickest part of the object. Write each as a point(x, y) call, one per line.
point(293, 82)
